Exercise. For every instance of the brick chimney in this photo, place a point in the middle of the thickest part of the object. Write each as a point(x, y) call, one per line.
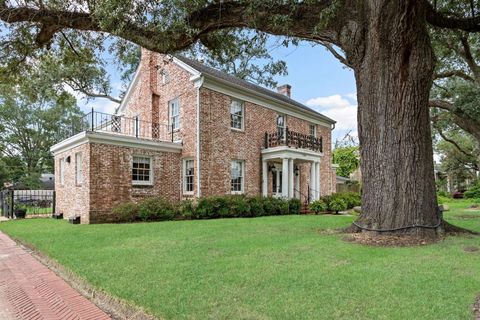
point(285, 89)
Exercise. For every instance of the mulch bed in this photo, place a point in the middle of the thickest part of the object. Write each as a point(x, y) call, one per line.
point(384, 240)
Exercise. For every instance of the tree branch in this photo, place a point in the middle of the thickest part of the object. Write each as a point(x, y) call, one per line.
point(442, 20)
point(78, 87)
point(336, 54)
point(453, 142)
point(467, 54)
point(453, 73)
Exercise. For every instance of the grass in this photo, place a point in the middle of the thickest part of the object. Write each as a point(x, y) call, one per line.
point(265, 268)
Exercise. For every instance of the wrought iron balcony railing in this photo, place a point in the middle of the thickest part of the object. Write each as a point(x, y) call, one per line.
point(95, 121)
point(293, 139)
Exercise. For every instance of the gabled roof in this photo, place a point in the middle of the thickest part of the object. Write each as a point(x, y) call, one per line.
point(206, 70)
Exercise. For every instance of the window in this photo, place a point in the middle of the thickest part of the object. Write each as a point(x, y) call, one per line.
point(188, 172)
point(236, 114)
point(78, 168)
point(142, 170)
point(174, 110)
point(281, 125)
point(237, 171)
point(313, 130)
point(165, 76)
point(62, 171)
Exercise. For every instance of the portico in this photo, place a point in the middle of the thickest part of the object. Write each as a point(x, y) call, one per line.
point(283, 162)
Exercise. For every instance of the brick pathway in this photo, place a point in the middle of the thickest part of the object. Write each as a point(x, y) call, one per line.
point(29, 290)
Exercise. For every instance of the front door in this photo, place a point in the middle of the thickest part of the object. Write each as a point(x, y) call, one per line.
point(277, 183)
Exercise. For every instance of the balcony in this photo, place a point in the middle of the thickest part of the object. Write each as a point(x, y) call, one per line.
point(120, 125)
point(294, 140)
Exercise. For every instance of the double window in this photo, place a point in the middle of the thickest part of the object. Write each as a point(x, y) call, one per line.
point(142, 170)
point(78, 169)
point(236, 114)
point(188, 174)
point(237, 176)
point(174, 111)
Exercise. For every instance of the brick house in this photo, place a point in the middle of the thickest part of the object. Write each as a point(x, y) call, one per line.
point(184, 130)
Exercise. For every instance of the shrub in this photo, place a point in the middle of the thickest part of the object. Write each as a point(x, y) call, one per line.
point(441, 199)
point(156, 208)
point(187, 209)
point(318, 206)
point(256, 206)
point(473, 192)
point(444, 194)
point(294, 206)
point(125, 212)
point(238, 206)
point(337, 205)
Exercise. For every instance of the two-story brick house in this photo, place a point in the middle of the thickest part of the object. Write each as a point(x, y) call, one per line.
point(184, 130)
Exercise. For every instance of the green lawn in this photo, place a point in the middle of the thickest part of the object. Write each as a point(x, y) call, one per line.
point(265, 268)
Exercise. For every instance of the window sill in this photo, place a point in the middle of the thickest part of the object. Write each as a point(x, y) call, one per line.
point(236, 192)
point(188, 193)
point(140, 184)
point(238, 130)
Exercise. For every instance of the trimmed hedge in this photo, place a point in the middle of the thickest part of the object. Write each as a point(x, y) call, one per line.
point(158, 209)
point(336, 202)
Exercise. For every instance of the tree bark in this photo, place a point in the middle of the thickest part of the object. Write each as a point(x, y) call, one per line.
point(394, 78)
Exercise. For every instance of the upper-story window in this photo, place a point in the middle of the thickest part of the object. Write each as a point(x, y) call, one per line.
point(174, 111)
point(237, 114)
point(313, 130)
point(164, 75)
point(281, 125)
point(142, 170)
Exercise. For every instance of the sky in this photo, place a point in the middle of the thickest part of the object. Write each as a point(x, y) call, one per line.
point(317, 78)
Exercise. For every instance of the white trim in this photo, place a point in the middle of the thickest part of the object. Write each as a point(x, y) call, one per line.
point(198, 84)
point(150, 174)
point(287, 152)
point(263, 100)
point(114, 139)
point(186, 67)
point(128, 94)
point(184, 181)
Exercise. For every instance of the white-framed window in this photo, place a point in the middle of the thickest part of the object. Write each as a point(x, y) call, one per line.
point(281, 125)
point(237, 109)
point(237, 176)
point(78, 168)
point(174, 112)
point(142, 173)
point(165, 75)
point(313, 130)
point(62, 171)
point(188, 174)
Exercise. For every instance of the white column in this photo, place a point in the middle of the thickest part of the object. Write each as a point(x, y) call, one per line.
point(290, 178)
point(277, 187)
point(285, 178)
point(264, 178)
point(297, 186)
point(317, 179)
point(313, 181)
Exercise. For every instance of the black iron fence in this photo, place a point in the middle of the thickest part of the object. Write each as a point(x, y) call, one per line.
point(18, 203)
point(293, 139)
point(129, 126)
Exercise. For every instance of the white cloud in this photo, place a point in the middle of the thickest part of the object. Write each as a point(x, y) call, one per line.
point(342, 109)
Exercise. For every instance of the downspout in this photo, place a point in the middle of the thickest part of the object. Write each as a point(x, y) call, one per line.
point(198, 85)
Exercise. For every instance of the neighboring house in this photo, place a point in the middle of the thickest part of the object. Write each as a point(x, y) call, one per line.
point(185, 130)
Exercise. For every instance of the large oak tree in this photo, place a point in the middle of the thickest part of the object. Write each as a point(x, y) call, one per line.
point(385, 42)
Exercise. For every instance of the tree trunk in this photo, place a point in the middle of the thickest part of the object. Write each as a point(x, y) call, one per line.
point(393, 83)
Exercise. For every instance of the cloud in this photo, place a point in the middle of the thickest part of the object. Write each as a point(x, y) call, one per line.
point(342, 109)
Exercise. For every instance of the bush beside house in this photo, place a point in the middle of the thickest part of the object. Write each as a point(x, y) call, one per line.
point(336, 202)
point(159, 209)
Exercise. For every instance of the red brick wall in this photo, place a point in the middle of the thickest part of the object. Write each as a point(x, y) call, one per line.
point(73, 199)
point(219, 145)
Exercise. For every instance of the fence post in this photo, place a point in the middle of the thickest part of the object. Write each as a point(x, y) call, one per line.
point(93, 120)
point(172, 131)
point(12, 203)
point(54, 204)
point(286, 137)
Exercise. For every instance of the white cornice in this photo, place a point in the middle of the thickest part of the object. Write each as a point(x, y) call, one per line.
point(291, 153)
point(114, 139)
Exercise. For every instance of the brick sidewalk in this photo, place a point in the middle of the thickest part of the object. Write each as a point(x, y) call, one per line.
point(29, 290)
